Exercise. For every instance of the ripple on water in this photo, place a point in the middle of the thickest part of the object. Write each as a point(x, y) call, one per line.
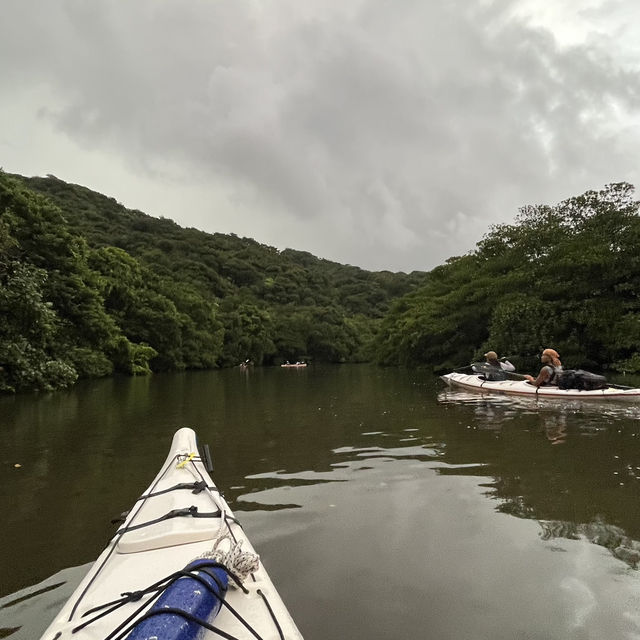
point(26, 614)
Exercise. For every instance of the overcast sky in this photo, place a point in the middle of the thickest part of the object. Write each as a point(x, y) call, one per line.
point(387, 134)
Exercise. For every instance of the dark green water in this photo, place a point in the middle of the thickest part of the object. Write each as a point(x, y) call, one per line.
point(383, 505)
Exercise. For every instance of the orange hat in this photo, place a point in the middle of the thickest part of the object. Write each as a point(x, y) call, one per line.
point(553, 355)
point(491, 355)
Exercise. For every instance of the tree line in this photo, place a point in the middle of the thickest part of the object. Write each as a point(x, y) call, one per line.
point(89, 288)
point(564, 276)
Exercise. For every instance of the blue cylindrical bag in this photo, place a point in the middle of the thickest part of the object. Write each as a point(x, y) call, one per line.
point(188, 595)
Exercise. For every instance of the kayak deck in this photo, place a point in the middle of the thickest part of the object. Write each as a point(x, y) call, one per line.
point(176, 520)
point(522, 388)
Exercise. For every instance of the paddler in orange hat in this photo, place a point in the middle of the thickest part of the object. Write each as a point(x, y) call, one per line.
point(548, 375)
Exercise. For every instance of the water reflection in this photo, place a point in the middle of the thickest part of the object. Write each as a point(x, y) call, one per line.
point(350, 480)
point(26, 614)
point(598, 532)
point(510, 406)
point(597, 474)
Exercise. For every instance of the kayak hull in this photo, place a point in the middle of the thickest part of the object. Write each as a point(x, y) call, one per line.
point(139, 556)
point(473, 382)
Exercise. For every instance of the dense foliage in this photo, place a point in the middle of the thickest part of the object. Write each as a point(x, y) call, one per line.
point(565, 276)
point(89, 288)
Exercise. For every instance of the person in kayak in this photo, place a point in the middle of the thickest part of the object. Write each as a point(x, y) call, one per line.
point(548, 375)
point(491, 358)
point(492, 369)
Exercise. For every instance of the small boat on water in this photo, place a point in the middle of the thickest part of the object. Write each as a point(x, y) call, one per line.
point(294, 364)
point(477, 382)
point(180, 567)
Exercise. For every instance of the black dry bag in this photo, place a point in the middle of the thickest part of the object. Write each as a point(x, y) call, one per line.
point(580, 379)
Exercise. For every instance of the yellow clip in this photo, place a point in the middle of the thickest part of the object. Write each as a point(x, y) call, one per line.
point(189, 458)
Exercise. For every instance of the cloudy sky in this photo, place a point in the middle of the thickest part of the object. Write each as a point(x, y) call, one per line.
point(387, 134)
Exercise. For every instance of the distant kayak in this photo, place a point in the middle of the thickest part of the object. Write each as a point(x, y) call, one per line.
point(294, 365)
point(180, 567)
point(522, 388)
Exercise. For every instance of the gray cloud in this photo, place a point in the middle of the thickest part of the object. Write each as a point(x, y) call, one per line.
point(387, 135)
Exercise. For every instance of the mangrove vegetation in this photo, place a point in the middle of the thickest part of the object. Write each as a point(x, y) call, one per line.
point(89, 288)
point(564, 276)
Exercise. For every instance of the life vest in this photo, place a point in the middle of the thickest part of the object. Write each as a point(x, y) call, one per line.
point(552, 381)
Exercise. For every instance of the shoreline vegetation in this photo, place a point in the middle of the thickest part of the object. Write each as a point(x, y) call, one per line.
point(90, 289)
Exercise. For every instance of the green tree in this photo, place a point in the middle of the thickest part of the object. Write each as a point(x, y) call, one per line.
point(565, 276)
point(247, 332)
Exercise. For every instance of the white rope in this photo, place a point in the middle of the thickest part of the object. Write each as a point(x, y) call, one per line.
point(240, 563)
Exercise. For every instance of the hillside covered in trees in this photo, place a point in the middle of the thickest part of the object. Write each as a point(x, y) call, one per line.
point(89, 288)
point(565, 276)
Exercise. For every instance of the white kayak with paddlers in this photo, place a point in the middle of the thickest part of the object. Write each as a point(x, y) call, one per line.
point(180, 567)
point(477, 382)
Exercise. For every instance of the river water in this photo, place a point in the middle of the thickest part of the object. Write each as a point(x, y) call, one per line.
point(382, 504)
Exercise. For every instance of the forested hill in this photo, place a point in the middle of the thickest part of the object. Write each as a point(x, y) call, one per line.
point(90, 288)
